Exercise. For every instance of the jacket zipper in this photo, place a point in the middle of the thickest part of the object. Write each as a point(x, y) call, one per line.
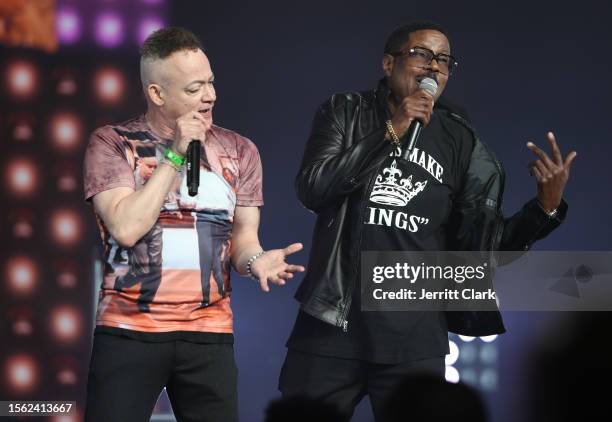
point(347, 308)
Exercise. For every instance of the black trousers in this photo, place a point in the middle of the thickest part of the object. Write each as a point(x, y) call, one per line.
point(344, 382)
point(126, 377)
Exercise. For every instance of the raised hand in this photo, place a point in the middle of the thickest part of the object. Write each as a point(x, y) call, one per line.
point(416, 106)
point(551, 174)
point(188, 127)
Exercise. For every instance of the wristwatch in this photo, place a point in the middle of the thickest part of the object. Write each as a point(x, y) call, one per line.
point(551, 214)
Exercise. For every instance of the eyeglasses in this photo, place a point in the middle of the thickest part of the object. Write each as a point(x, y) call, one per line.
point(421, 57)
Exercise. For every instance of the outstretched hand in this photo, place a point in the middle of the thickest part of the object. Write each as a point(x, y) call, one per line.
point(272, 268)
point(551, 174)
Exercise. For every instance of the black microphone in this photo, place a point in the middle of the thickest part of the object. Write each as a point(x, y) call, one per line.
point(430, 85)
point(193, 167)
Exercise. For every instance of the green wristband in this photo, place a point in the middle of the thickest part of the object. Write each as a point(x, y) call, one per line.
point(179, 160)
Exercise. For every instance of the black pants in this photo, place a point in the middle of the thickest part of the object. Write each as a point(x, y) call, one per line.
point(126, 377)
point(344, 382)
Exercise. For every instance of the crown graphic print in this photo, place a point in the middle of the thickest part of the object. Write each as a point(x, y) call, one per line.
point(388, 191)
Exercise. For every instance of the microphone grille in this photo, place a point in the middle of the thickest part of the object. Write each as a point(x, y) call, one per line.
point(429, 85)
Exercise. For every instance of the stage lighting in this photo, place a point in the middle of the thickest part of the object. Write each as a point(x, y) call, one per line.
point(147, 26)
point(468, 353)
point(67, 86)
point(66, 279)
point(66, 377)
point(65, 323)
point(65, 227)
point(467, 339)
point(21, 125)
point(21, 320)
point(469, 376)
point(65, 418)
point(22, 131)
point(22, 221)
point(488, 354)
point(21, 373)
point(65, 131)
point(65, 369)
point(109, 85)
point(67, 25)
point(489, 339)
point(488, 379)
point(66, 273)
point(22, 327)
point(22, 229)
point(109, 30)
point(21, 274)
point(452, 375)
point(21, 78)
point(21, 176)
point(65, 173)
point(66, 183)
point(453, 354)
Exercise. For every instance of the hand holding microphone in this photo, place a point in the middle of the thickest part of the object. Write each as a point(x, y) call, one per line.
point(190, 131)
point(193, 166)
point(414, 112)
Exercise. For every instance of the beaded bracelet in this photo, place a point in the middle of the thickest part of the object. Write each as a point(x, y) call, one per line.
point(250, 263)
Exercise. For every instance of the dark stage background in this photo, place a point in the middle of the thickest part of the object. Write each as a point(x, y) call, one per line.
point(525, 68)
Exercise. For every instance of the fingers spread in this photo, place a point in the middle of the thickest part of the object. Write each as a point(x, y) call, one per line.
point(541, 154)
point(537, 174)
point(285, 275)
point(568, 160)
point(275, 279)
point(544, 172)
point(293, 248)
point(556, 153)
point(263, 283)
point(295, 269)
point(530, 166)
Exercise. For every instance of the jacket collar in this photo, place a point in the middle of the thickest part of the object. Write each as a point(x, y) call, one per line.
point(381, 95)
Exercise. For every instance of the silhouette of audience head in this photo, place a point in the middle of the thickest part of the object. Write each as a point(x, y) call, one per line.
point(428, 398)
point(302, 409)
point(571, 370)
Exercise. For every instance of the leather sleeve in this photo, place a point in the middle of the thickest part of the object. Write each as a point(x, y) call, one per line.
point(528, 225)
point(476, 208)
point(334, 164)
point(477, 221)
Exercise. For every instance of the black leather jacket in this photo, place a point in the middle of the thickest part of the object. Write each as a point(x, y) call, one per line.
point(345, 148)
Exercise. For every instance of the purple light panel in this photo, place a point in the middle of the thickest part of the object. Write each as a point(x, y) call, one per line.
point(147, 26)
point(109, 31)
point(68, 26)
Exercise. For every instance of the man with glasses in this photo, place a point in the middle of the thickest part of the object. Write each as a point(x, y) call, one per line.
point(445, 196)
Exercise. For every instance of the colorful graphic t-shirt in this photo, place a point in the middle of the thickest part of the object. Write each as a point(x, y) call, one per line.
point(176, 278)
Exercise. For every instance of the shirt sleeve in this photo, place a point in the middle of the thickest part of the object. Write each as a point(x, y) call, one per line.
point(105, 165)
point(249, 192)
